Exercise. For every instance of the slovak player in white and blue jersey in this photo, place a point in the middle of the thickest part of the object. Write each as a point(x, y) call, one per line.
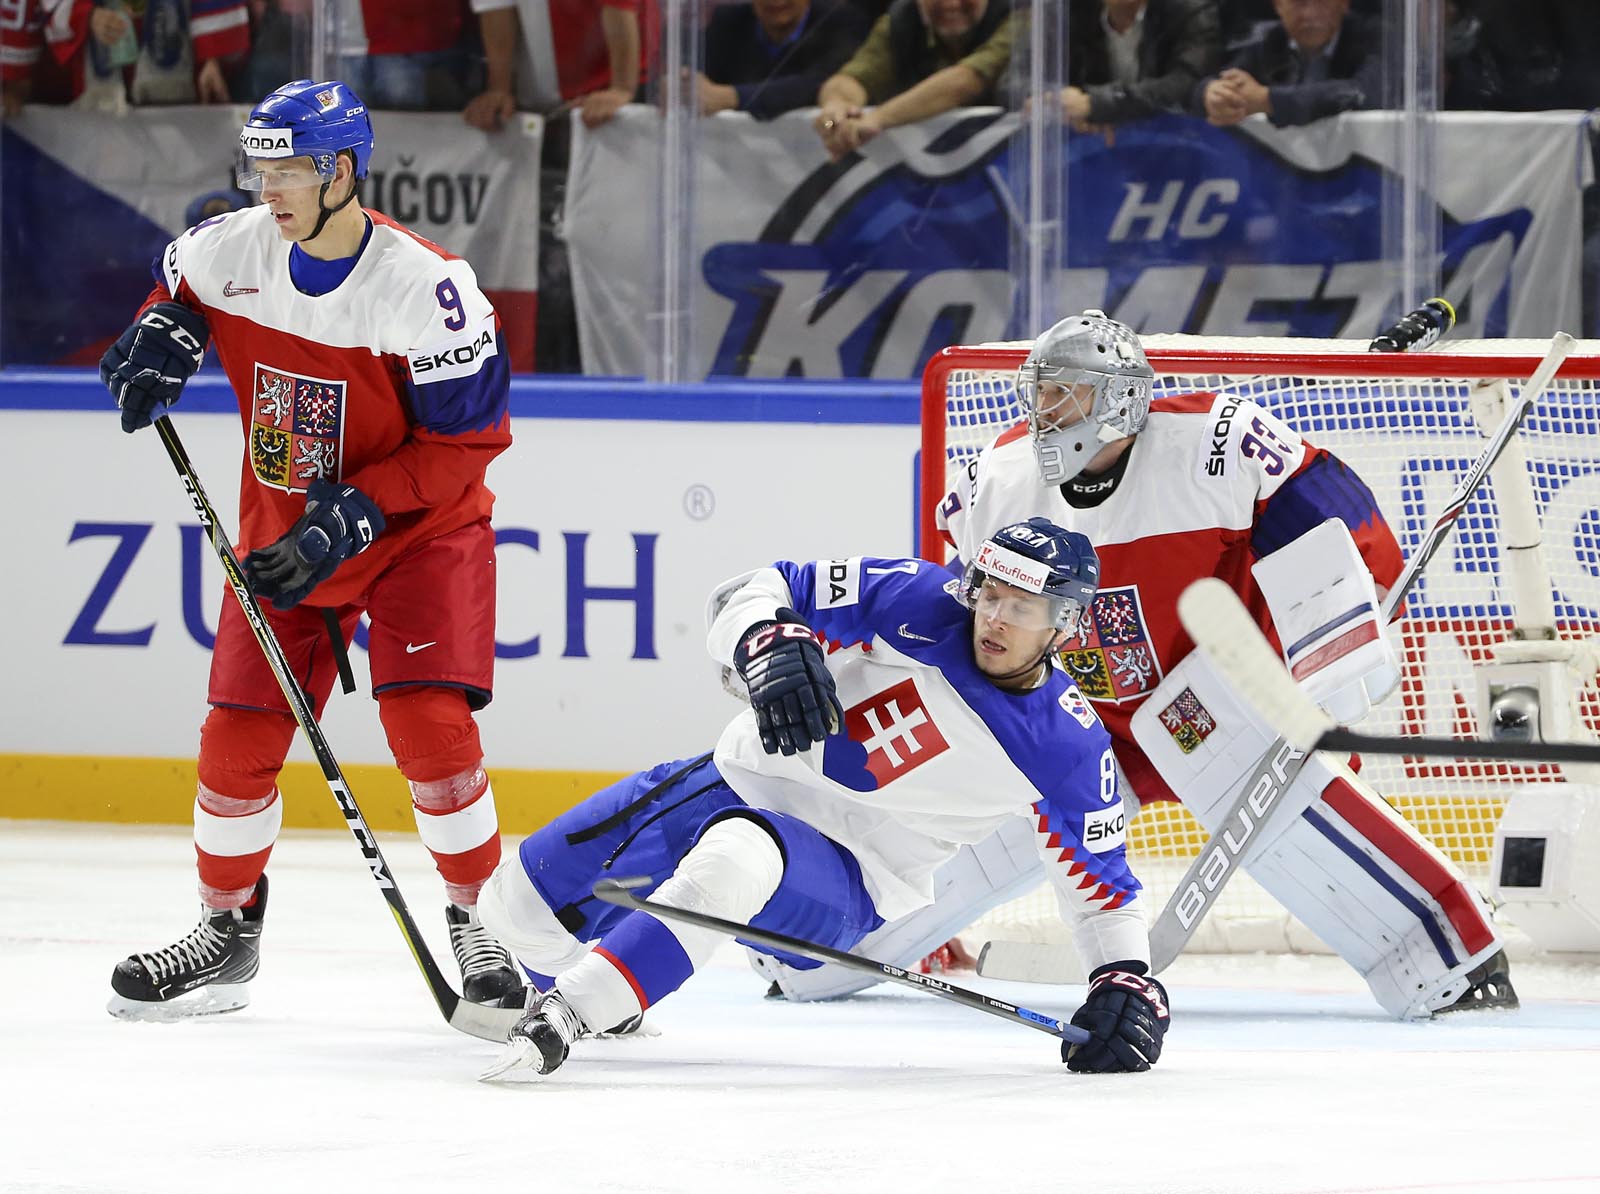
point(929, 713)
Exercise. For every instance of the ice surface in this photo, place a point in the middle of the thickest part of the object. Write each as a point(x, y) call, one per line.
point(1280, 1076)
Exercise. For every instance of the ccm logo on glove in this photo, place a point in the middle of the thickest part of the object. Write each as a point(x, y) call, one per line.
point(150, 362)
point(1126, 1017)
point(340, 521)
point(790, 686)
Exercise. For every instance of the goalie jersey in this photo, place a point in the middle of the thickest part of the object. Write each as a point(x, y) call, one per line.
point(395, 381)
point(932, 755)
point(1209, 486)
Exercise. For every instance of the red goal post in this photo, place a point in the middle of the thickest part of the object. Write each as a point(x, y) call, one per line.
point(1406, 424)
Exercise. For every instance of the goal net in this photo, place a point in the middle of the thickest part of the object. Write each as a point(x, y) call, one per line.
point(1406, 424)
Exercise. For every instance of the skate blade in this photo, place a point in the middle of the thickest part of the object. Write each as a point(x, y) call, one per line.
point(518, 1061)
point(645, 1029)
point(211, 1000)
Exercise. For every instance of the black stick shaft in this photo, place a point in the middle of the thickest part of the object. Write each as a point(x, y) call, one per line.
point(1461, 748)
point(620, 893)
point(492, 1024)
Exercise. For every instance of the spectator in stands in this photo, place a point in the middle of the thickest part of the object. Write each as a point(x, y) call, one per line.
point(1316, 60)
point(107, 56)
point(1470, 75)
point(923, 57)
point(1129, 59)
point(403, 54)
point(1240, 18)
point(279, 32)
point(594, 54)
point(767, 57)
point(1549, 51)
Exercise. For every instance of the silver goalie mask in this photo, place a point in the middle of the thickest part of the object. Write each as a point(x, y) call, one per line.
point(1069, 427)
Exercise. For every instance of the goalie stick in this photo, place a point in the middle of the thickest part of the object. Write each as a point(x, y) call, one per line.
point(620, 892)
point(1261, 798)
point(1221, 627)
point(488, 1023)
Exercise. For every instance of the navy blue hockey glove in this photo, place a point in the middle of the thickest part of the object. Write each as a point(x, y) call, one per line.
point(149, 363)
point(791, 688)
point(1126, 1015)
point(340, 521)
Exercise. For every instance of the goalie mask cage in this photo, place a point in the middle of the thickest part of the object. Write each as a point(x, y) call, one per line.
point(1405, 423)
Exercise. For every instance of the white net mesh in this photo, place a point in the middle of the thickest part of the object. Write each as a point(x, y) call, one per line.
point(1410, 439)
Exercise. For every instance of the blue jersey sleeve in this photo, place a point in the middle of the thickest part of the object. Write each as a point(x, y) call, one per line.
point(1324, 488)
point(447, 400)
point(1082, 826)
point(851, 601)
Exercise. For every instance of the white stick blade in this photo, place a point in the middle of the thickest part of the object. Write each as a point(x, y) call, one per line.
point(1031, 962)
point(1221, 627)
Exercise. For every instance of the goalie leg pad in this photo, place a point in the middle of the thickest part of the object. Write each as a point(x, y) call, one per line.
point(976, 879)
point(1348, 867)
point(1378, 894)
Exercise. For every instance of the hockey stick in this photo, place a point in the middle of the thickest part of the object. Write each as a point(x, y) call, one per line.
point(620, 893)
point(1265, 787)
point(489, 1023)
point(1224, 630)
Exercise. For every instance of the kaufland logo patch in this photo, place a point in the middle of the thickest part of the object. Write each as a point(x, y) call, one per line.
point(296, 427)
point(1013, 567)
point(1188, 721)
point(1111, 656)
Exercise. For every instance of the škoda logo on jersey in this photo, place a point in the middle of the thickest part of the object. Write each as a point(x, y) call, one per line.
point(1111, 656)
point(1188, 721)
point(296, 426)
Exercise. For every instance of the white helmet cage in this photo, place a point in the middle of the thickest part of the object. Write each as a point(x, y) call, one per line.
point(1089, 348)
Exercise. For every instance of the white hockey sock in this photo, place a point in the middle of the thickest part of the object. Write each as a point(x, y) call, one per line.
point(512, 909)
point(731, 873)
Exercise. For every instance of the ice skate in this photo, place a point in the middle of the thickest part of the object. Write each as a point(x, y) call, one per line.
point(632, 1029)
point(1490, 987)
point(541, 1039)
point(488, 975)
point(202, 974)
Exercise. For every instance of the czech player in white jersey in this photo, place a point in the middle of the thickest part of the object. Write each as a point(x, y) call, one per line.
point(1197, 485)
point(897, 713)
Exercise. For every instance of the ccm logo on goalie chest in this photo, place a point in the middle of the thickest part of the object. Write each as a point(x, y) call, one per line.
point(1105, 828)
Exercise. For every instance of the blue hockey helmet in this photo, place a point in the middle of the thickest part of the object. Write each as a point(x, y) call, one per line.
point(305, 119)
point(1038, 557)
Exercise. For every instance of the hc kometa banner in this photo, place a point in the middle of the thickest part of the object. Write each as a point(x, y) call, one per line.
point(866, 266)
